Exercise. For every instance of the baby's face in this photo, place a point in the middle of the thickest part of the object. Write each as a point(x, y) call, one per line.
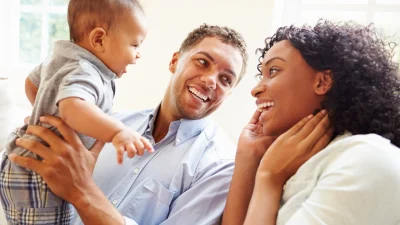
point(122, 46)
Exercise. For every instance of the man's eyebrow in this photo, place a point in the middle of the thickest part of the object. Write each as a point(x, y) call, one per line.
point(274, 58)
point(206, 54)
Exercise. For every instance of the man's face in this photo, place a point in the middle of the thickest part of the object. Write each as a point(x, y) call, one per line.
point(203, 76)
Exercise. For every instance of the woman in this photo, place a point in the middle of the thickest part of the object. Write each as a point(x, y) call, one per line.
point(346, 70)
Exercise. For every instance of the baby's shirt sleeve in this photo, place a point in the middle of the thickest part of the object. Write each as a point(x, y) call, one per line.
point(34, 75)
point(85, 83)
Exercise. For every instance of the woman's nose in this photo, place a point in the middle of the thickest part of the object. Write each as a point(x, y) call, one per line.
point(258, 89)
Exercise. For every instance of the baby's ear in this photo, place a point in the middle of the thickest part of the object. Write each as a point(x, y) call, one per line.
point(323, 82)
point(174, 62)
point(96, 39)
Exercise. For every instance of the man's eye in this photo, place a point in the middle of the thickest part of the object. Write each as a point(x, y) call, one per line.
point(203, 62)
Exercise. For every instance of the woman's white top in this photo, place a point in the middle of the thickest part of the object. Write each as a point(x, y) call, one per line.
point(354, 180)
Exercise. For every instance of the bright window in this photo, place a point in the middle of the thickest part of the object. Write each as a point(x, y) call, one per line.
point(385, 14)
point(33, 26)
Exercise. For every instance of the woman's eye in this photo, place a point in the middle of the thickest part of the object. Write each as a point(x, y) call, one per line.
point(272, 71)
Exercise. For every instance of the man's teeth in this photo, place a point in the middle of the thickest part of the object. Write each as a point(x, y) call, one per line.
point(198, 94)
point(265, 105)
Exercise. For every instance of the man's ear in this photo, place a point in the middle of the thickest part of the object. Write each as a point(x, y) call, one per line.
point(174, 62)
point(323, 82)
point(97, 38)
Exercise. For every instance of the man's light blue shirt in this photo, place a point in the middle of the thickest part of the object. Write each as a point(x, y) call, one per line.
point(185, 181)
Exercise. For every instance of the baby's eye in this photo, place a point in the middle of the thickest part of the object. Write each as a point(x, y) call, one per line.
point(227, 80)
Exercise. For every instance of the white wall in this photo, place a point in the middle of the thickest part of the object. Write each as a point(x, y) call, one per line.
point(169, 23)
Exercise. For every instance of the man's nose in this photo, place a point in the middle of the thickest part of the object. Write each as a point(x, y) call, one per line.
point(210, 79)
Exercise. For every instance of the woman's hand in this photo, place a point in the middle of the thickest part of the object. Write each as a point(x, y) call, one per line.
point(67, 166)
point(252, 141)
point(283, 158)
point(293, 148)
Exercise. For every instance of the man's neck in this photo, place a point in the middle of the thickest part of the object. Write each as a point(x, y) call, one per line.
point(162, 122)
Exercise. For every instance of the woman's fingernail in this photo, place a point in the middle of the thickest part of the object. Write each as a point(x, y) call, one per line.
point(310, 116)
point(323, 112)
point(41, 118)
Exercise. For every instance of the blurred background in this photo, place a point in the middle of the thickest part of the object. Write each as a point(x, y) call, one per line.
point(29, 28)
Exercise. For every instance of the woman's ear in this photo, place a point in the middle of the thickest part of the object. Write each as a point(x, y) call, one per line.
point(97, 38)
point(323, 82)
point(174, 62)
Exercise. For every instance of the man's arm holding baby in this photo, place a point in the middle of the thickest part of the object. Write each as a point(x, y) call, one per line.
point(67, 169)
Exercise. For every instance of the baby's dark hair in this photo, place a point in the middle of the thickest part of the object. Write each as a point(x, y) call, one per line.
point(365, 95)
point(85, 15)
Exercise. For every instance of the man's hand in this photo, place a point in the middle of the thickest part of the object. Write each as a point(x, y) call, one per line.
point(66, 166)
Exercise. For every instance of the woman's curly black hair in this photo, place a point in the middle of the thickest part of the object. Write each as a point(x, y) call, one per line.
point(365, 95)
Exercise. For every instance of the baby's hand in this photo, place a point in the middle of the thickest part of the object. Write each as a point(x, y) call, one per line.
point(130, 141)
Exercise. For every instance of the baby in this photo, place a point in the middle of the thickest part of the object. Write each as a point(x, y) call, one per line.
point(76, 82)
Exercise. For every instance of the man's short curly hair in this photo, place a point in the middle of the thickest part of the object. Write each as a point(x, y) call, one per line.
point(85, 15)
point(365, 95)
point(225, 34)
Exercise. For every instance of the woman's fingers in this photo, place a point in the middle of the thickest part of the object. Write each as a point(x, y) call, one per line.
point(317, 132)
point(313, 125)
point(296, 128)
point(322, 142)
point(254, 119)
point(67, 132)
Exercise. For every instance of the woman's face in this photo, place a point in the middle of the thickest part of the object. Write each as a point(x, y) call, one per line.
point(288, 90)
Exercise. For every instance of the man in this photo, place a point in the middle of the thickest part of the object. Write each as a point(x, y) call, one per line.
point(186, 179)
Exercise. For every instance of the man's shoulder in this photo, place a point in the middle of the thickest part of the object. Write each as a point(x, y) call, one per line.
point(131, 117)
point(221, 145)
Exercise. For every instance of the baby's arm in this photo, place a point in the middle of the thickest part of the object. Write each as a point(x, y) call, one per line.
point(30, 90)
point(88, 119)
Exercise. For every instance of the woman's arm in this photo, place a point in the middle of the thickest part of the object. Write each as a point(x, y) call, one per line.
point(281, 161)
point(263, 182)
point(251, 148)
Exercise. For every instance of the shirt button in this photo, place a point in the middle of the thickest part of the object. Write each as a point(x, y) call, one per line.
point(178, 140)
point(136, 170)
point(115, 202)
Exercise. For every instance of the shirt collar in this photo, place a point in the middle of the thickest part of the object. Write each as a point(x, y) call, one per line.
point(185, 128)
point(73, 51)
